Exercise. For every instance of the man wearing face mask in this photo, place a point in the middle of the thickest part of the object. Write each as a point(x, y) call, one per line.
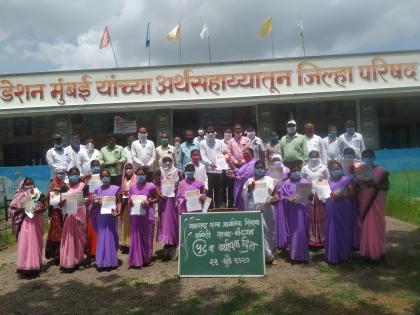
point(112, 158)
point(330, 144)
point(88, 155)
point(256, 144)
point(314, 142)
point(293, 146)
point(210, 149)
point(127, 149)
point(201, 136)
point(73, 150)
point(272, 148)
point(237, 145)
point(57, 157)
point(144, 153)
point(165, 149)
point(351, 139)
point(186, 148)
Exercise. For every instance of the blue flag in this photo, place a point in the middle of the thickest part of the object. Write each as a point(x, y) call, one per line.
point(148, 36)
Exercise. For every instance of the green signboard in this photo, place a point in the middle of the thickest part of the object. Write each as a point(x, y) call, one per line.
point(221, 244)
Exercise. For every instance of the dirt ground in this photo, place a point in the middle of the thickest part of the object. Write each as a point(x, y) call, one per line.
point(357, 287)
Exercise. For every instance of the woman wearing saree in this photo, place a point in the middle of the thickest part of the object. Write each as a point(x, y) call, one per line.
point(128, 178)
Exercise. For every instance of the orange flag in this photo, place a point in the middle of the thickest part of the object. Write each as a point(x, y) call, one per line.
point(105, 39)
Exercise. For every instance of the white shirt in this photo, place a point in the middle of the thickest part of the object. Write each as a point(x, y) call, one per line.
point(331, 148)
point(200, 174)
point(198, 139)
point(162, 152)
point(143, 154)
point(312, 173)
point(127, 150)
point(85, 157)
point(257, 146)
point(57, 159)
point(74, 156)
point(355, 142)
point(316, 143)
point(209, 153)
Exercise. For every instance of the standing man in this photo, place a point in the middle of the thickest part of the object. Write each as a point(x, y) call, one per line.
point(272, 148)
point(228, 182)
point(256, 144)
point(112, 158)
point(210, 149)
point(331, 144)
point(73, 150)
point(315, 142)
point(237, 145)
point(165, 149)
point(127, 149)
point(187, 147)
point(57, 157)
point(293, 146)
point(88, 155)
point(177, 145)
point(351, 139)
point(201, 136)
point(144, 154)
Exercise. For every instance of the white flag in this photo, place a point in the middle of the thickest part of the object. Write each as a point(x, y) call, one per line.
point(175, 33)
point(105, 40)
point(205, 31)
point(300, 25)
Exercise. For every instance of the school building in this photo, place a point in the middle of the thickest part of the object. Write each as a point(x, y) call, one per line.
point(380, 91)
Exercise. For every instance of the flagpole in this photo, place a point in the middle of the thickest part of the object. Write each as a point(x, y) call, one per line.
point(148, 34)
point(112, 46)
point(301, 33)
point(303, 43)
point(180, 36)
point(208, 43)
point(272, 43)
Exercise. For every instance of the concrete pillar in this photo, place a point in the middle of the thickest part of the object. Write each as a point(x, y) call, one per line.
point(163, 124)
point(264, 121)
point(368, 125)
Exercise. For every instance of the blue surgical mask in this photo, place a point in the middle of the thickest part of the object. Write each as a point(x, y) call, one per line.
point(348, 157)
point(58, 146)
point(190, 175)
point(350, 131)
point(337, 174)
point(141, 179)
point(368, 160)
point(332, 134)
point(274, 138)
point(259, 171)
point(296, 175)
point(95, 169)
point(74, 178)
point(75, 142)
point(106, 180)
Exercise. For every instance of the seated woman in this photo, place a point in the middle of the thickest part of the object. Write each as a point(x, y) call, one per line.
point(339, 216)
point(106, 225)
point(28, 227)
point(267, 207)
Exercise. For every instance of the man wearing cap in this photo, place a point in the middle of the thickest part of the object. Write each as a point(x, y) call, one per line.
point(293, 146)
point(57, 157)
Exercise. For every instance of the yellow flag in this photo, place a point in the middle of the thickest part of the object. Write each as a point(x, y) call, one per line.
point(266, 27)
point(175, 33)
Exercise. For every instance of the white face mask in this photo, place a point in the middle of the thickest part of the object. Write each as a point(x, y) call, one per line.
point(129, 172)
point(142, 136)
point(313, 162)
point(278, 163)
point(200, 132)
point(227, 136)
point(291, 130)
point(90, 146)
point(211, 136)
point(167, 165)
point(251, 135)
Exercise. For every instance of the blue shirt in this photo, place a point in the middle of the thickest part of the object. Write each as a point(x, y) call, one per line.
point(186, 149)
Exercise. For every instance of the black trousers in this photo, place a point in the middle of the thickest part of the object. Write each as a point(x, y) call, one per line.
point(227, 190)
point(149, 176)
point(116, 180)
point(215, 189)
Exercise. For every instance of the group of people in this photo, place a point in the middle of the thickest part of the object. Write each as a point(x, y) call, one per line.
point(226, 170)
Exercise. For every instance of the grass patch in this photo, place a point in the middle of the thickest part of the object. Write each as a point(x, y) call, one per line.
point(348, 295)
point(403, 207)
point(325, 268)
point(6, 238)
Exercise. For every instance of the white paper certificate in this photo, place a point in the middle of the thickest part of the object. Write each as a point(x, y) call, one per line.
point(168, 187)
point(303, 190)
point(221, 163)
point(55, 198)
point(364, 172)
point(206, 205)
point(321, 188)
point(108, 203)
point(193, 200)
point(72, 201)
point(29, 205)
point(260, 193)
point(137, 209)
point(94, 182)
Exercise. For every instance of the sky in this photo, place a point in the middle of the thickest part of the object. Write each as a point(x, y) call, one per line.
point(48, 35)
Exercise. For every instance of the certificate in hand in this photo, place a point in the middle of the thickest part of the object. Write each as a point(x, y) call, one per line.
point(137, 209)
point(206, 205)
point(303, 190)
point(94, 182)
point(108, 203)
point(55, 198)
point(364, 172)
point(221, 163)
point(28, 204)
point(193, 200)
point(168, 187)
point(72, 201)
point(260, 193)
point(322, 189)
